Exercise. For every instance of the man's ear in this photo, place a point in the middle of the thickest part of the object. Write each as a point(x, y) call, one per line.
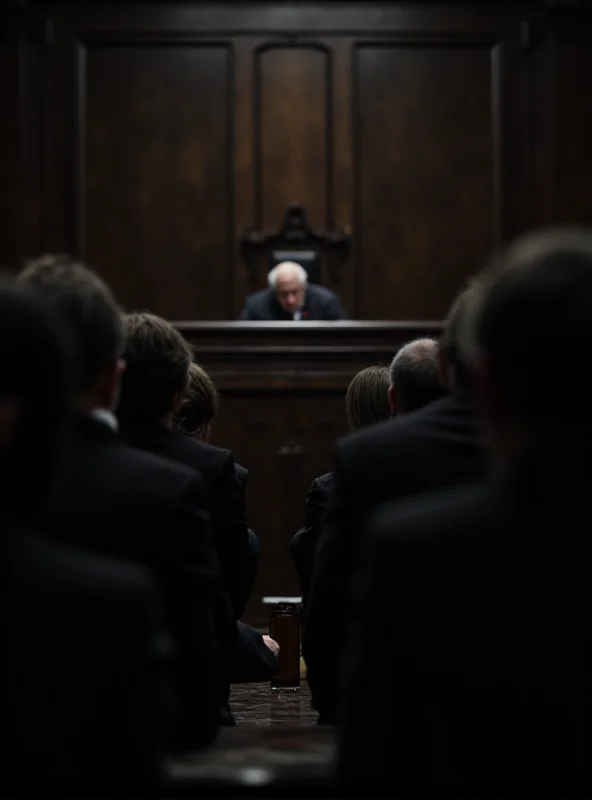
point(392, 400)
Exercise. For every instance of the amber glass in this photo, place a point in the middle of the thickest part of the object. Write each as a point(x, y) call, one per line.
point(284, 627)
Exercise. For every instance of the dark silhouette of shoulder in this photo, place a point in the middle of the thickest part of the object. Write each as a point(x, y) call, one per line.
point(492, 621)
point(85, 659)
point(225, 500)
point(304, 541)
point(122, 501)
point(320, 304)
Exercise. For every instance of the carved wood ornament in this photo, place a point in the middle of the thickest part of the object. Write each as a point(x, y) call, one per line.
point(295, 233)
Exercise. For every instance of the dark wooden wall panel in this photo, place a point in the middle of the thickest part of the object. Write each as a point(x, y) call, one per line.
point(293, 123)
point(425, 155)
point(283, 452)
point(429, 132)
point(155, 198)
point(574, 128)
point(10, 184)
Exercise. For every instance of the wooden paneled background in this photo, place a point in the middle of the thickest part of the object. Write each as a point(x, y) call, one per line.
point(147, 137)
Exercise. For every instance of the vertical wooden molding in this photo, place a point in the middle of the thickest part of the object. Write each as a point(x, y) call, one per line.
point(244, 166)
point(78, 196)
point(499, 133)
point(343, 157)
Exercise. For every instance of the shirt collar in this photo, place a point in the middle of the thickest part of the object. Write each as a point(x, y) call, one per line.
point(106, 417)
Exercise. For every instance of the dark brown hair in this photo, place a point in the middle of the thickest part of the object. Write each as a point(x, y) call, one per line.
point(201, 402)
point(157, 367)
point(366, 400)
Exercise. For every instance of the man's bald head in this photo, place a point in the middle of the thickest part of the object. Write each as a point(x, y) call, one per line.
point(415, 376)
point(288, 280)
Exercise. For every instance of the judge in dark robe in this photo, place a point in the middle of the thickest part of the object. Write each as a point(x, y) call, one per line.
point(289, 297)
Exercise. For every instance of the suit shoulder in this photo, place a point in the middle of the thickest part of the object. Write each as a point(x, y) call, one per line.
point(322, 292)
point(437, 518)
point(255, 298)
point(200, 455)
point(324, 482)
point(367, 438)
point(242, 473)
point(393, 434)
point(168, 472)
point(57, 569)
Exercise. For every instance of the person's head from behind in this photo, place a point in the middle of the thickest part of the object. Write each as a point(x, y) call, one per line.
point(156, 377)
point(200, 405)
point(85, 304)
point(36, 371)
point(415, 377)
point(532, 310)
point(366, 400)
point(454, 372)
point(288, 280)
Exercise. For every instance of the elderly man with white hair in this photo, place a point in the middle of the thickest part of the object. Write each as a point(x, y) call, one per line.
point(289, 296)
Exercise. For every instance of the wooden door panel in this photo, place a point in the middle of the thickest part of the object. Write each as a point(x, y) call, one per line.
point(292, 119)
point(424, 193)
point(10, 245)
point(155, 194)
point(573, 163)
point(285, 441)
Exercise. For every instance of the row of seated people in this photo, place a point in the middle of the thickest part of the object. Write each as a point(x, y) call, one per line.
point(446, 595)
point(374, 395)
point(127, 559)
point(377, 393)
point(446, 630)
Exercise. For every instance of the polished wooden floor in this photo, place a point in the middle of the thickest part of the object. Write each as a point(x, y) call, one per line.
point(256, 704)
point(276, 744)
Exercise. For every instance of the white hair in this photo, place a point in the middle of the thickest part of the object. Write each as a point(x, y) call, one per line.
point(285, 268)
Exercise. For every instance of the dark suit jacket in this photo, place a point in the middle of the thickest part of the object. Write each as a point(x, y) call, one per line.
point(253, 661)
point(470, 660)
point(85, 657)
point(225, 498)
point(437, 446)
point(242, 474)
point(125, 502)
point(320, 304)
point(247, 657)
point(304, 541)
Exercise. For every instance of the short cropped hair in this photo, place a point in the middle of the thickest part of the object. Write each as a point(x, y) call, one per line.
point(415, 375)
point(533, 309)
point(366, 400)
point(200, 405)
point(85, 303)
point(157, 367)
point(287, 266)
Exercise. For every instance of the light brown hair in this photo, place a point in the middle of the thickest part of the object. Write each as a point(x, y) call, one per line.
point(366, 400)
point(200, 404)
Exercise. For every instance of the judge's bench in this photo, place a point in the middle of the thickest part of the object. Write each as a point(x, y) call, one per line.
point(282, 387)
